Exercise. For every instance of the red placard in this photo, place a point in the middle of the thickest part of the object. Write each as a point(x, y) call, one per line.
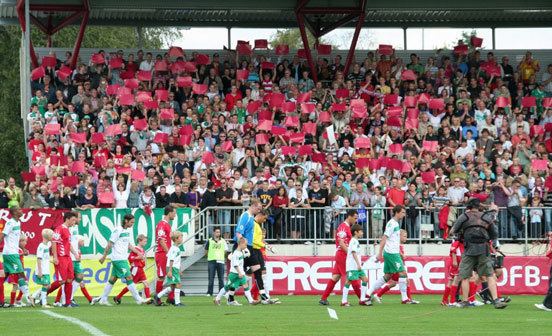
point(461, 49)
point(428, 177)
point(304, 97)
point(430, 146)
point(77, 167)
point(265, 125)
point(289, 107)
point(547, 102)
point(324, 117)
point(242, 75)
point(208, 158)
point(137, 175)
point(97, 59)
point(140, 124)
point(185, 81)
point(297, 138)
point(394, 122)
point(106, 197)
point(161, 138)
point(291, 121)
point(396, 148)
point(541, 165)
point(476, 42)
point(113, 130)
point(385, 49)
point(502, 101)
point(408, 75)
point(324, 49)
point(162, 95)
point(276, 100)
point(265, 115)
point(202, 59)
point(161, 66)
point(528, 101)
point(199, 89)
point(38, 73)
point(339, 107)
point(282, 49)
point(166, 114)
point(244, 49)
point(394, 112)
point(412, 113)
point(363, 142)
point(176, 52)
point(310, 128)
point(289, 150)
point(132, 83)
point(359, 112)
point(254, 106)
point(305, 150)
point(97, 138)
point(268, 66)
point(390, 99)
point(227, 146)
point(49, 61)
point(410, 101)
point(307, 107)
point(52, 129)
point(261, 139)
point(78, 137)
point(112, 90)
point(277, 130)
point(70, 181)
point(261, 44)
point(143, 96)
point(127, 99)
point(28, 176)
point(144, 76)
point(186, 130)
point(437, 104)
point(342, 93)
point(190, 67)
point(64, 72)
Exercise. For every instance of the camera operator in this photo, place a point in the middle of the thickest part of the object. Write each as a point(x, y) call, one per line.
point(477, 228)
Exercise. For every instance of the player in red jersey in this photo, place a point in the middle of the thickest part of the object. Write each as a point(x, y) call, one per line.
point(395, 277)
point(451, 288)
point(61, 252)
point(163, 241)
point(137, 263)
point(342, 238)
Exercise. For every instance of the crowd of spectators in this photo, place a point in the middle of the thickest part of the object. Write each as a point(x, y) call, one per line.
point(192, 130)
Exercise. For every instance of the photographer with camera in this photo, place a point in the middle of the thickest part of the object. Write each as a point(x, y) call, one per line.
point(477, 228)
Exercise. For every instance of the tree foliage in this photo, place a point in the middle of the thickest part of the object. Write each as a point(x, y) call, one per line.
point(292, 37)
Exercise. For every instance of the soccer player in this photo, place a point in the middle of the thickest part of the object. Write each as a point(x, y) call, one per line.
point(173, 270)
point(395, 278)
point(342, 238)
point(42, 270)
point(163, 241)
point(245, 229)
point(76, 243)
point(138, 263)
point(389, 252)
point(255, 290)
point(120, 242)
point(256, 253)
point(354, 267)
point(11, 235)
point(237, 277)
point(61, 251)
point(15, 297)
point(451, 289)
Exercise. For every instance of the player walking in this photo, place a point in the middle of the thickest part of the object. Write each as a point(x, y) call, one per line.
point(138, 263)
point(354, 267)
point(42, 270)
point(163, 241)
point(173, 271)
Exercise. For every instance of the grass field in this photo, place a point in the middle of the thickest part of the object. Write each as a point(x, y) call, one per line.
point(297, 315)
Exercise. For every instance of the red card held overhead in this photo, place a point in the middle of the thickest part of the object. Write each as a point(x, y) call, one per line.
point(184, 81)
point(137, 175)
point(186, 130)
point(264, 125)
point(261, 44)
point(541, 165)
point(185, 140)
point(430, 146)
point(97, 59)
point(161, 66)
point(64, 72)
point(324, 117)
point(116, 63)
point(70, 181)
point(428, 177)
point(424, 98)
point(289, 107)
point(112, 90)
point(113, 130)
point(528, 102)
point(202, 59)
point(49, 61)
point(310, 128)
point(78, 137)
point(208, 158)
point(437, 104)
point(161, 138)
point(305, 150)
point(39, 170)
point(106, 197)
point(127, 99)
point(304, 97)
point(395, 164)
point(342, 93)
point(461, 49)
point(537, 130)
point(144, 76)
point(412, 113)
point(307, 107)
point(394, 122)
point(289, 150)
point(97, 138)
point(28, 176)
point(547, 102)
point(276, 100)
point(143, 96)
point(282, 49)
point(176, 52)
point(52, 129)
point(410, 101)
point(291, 121)
point(476, 42)
point(227, 146)
point(242, 74)
point(78, 167)
point(123, 91)
point(277, 130)
point(339, 107)
point(359, 112)
point(166, 114)
point(396, 148)
point(363, 142)
point(123, 170)
point(502, 101)
point(244, 49)
point(324, 49)
point(261, 139)
point(100, 161)
point(394, 112)
point(268, 66)
point(254, 106)
point(408, 75)
point(140, 124)
point(127, 74)
point(190, 67)
point(132, 83)
point(358, 102)
point(390, 99)
point(297, 137)
point(385, 49)
point(362, 163)
point(151, 104)
point(38, 73)
point(199, 89)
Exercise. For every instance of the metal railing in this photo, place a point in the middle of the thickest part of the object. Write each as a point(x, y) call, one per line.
point(316, 225)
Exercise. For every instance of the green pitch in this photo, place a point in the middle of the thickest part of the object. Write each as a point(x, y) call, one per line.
point(297, 315)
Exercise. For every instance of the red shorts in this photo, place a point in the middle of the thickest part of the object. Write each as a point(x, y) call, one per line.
point(161, 263)
point(340, 265)
point(395, 277)
point(138, 274)
point(13, 279)
point(452, 271)
point(64, 269)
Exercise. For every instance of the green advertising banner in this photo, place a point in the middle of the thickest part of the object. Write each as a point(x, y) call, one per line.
point(96, 225)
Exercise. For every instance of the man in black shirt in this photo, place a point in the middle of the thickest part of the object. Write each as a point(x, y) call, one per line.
point(162, 199)
point(178, 199)
point(3, 196)
point(317, 199)
point(224, 196)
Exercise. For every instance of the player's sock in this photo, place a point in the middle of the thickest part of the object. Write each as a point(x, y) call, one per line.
point(363, 291)
point(123, 292)
point(85, 293)
point(345, 293)
point(37, 292)
point(171, 296)
point(247, 294)
point(55, 285)
point(59, 295)
point(176, 293)
point(453, 290)
point(446, 294)
point(147, 291)
point(473, 290)
point(19, 295)
point(75, 287)
point(255, 290)
point(375, 286)
point(132, 289)
point(12, 297)
point(221, 293)
point(260, 284)
point(164, 292)
point(231, 292)
point(68, 289)
point(383, 289)
point(158, 286)
point(402, 287)
point(43, 295)
point(408, 292)
point(265, 281)
point(2, 298)
point(107, 290)
point(329, 288)
point(356, 288)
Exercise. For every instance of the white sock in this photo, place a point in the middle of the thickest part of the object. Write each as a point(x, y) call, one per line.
point(403, 283)
point(62, 297)
point(176, 295)
point(375, 286)
point(107, 290)
point(221, 293)
point(266, 285)
point(363, 291)
point(345, 293)
point(132, 289)
point(43, 295)
point(36, 294)
point(164, 292)
point(249, 281)
point(248, 295)
point(76, 286)
point(25, 290)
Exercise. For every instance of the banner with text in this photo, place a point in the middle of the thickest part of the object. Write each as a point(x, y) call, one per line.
point(427, 275)
point(96, 225)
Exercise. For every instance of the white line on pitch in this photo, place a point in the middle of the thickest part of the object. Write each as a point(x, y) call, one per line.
point(83, 325)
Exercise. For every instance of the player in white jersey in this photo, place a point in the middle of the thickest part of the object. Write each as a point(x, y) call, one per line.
point(353, 267)
point(236, 277)
point(42, 269)
point(173, 270)
point(120, 243)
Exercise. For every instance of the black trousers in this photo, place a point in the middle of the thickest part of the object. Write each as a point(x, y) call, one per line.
point(548, 299)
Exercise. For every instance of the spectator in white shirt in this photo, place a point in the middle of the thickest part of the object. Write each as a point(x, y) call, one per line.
point(456, 193)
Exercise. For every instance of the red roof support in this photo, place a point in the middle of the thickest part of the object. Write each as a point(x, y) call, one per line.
point(351, 13)
point(50, 29)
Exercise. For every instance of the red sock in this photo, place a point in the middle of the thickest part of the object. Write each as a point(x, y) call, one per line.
point(329, 288)
point(68, 290)
point(446, 294)
point(19, 296)
point(255, 291)
point(123, 292)
point(408, 292)
point(453, 290)
point(12, 297)
point(356, 287)
point(2, 289)
point(58, 295)
point(147, 291)
point(86, 294)
point(473, 289)
point(55, 285)
point(158, 286)
point(383, 289)
point(171, 296)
